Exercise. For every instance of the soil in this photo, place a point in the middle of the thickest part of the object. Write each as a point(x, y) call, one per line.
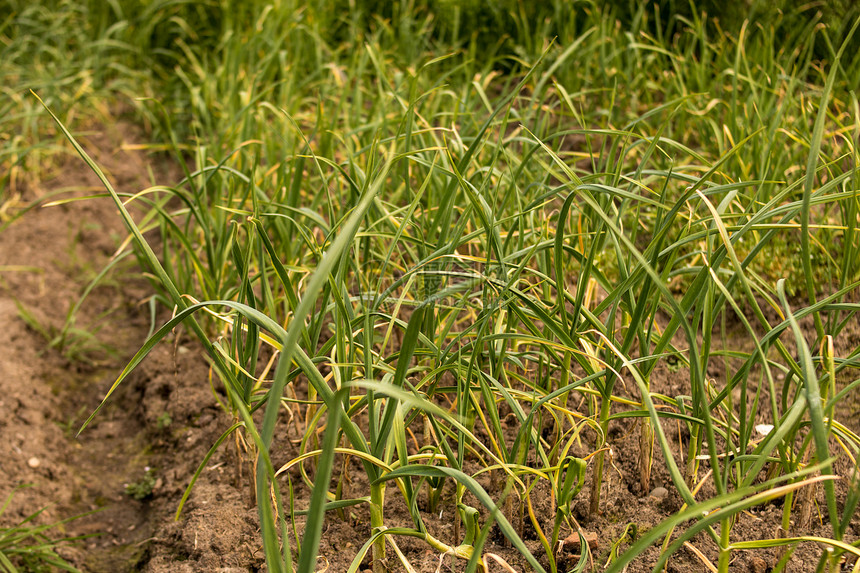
point(158, 426)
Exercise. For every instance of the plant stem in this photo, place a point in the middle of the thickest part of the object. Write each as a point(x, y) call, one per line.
point(646, 453)
point(692, 462)
point(597, 479)
point(725, 554)
point(377, 500)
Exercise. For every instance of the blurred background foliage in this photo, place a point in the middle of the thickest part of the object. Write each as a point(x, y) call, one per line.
point(131, 38)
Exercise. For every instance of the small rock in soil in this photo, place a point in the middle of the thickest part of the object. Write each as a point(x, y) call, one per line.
point(659, 492)
point(571, 542)
point(34, 462)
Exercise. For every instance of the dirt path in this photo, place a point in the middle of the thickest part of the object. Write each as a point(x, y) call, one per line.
point(46, 392)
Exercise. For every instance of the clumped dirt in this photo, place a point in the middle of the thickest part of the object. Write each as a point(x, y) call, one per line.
point(158, 426)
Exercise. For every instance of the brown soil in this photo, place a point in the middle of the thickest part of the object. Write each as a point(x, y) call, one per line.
point(167, 416)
